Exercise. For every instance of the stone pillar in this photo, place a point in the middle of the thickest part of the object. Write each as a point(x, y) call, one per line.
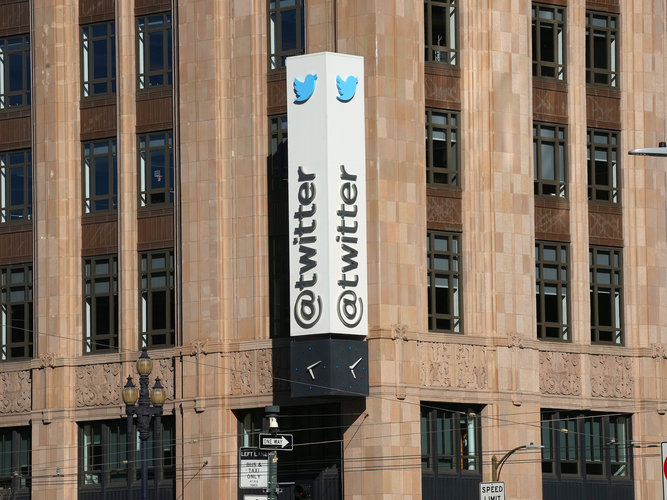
point(57, 263)
point(384, 33)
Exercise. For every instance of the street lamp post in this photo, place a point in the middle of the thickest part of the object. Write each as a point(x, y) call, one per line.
point(661, 151)
point(138, 402)
point(497, 465)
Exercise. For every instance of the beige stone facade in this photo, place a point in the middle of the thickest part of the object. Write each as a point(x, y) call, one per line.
point(225, 361)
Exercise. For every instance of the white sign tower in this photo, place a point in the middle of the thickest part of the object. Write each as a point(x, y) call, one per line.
point(327, 194)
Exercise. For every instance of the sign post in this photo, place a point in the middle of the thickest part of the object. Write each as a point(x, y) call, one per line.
point(492, 491)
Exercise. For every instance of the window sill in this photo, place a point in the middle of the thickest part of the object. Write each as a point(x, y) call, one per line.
point(545, 201)
point(16, 227)
point(444, 191)
point(96, 101)
point(97, 218)
point(541, 82)
point(602, 91)
point(148, 212)
point(15, 112)
point(157, 92)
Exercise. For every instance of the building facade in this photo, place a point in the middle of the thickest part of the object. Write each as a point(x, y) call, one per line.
point(515, 251)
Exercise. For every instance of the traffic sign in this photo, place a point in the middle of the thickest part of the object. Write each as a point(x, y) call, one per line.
point(663, 449)
point(280, 442)
point(492, 491)
point(253, 468)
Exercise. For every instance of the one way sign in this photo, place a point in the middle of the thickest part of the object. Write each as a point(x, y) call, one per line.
point(282, 442)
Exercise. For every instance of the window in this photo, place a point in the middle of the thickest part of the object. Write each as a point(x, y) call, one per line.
point(444, 289)
point(154, 52)
point(16, 186)
point(157, 298)
point(100, 303)
point(108, 463)
point(603, 173)
point(278, 228)
point(14, 71)
point(451, 450)
point(286, 31)
point(587, 449)
point(156, 169)
point(601, 48)
point(16, 312)
point(551, 296)
point(98, 59)
point(606, 295)
point(548, 41)
point(442, 151)
point(100, 183)
point(550, 160)
point(15, 461)
point(441, 18)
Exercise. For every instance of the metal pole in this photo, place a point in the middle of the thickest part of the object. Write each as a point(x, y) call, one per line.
point(144, 470)
point(273, 475)
point(272, 414)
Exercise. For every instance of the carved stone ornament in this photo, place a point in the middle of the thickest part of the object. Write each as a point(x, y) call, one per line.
point(199, 346)
point(611, 376)
point(47, 359)
point(399, 331)
point(164, 368)
point(447, 365)
point(15, 392)
point(98, 385)
point(658, 351)
point(560, 373)
point(252, 372)
point(515, 340)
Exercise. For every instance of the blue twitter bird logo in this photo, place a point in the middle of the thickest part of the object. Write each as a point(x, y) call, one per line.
point(346, 88)
point(303, 90)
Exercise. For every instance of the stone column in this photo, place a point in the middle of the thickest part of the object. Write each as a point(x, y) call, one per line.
point(57, 263)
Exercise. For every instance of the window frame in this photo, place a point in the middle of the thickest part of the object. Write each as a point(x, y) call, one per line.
point(8, 209)
point(166, 72)
point(541, 66)
point(615, 291)
point(147, 296)
point(610, 32)
point(163, 474)
point(558, 187)
point(94, 342)
point(430, 414)
point(612, 149)
point(9, 349)
point(274, 18)
point(19, 442)
point(433, 51)
point(150, 197)
point(572, 427)
point(452, 274)
point(89, 176)
point(451, 130)
point(24, 93)
point(561, 265)
point(88, 63)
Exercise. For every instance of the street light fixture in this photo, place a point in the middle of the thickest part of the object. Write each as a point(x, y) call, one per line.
point(661, 151)
point(138, 402)
point(497, 465)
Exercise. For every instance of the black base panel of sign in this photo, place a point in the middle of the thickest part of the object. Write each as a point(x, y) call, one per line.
point(329, 367)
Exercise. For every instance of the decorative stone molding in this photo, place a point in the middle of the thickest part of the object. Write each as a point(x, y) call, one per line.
point(252, 372)
point(471, 367)
point(98, 385)
point(399, 331)
point(47, 359)
point(164, 368)
point(611, 376)
point(560, 373)
point(447, 365)
point(15, 392)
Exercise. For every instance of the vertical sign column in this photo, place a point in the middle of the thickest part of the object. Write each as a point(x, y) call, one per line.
point(327, 194)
